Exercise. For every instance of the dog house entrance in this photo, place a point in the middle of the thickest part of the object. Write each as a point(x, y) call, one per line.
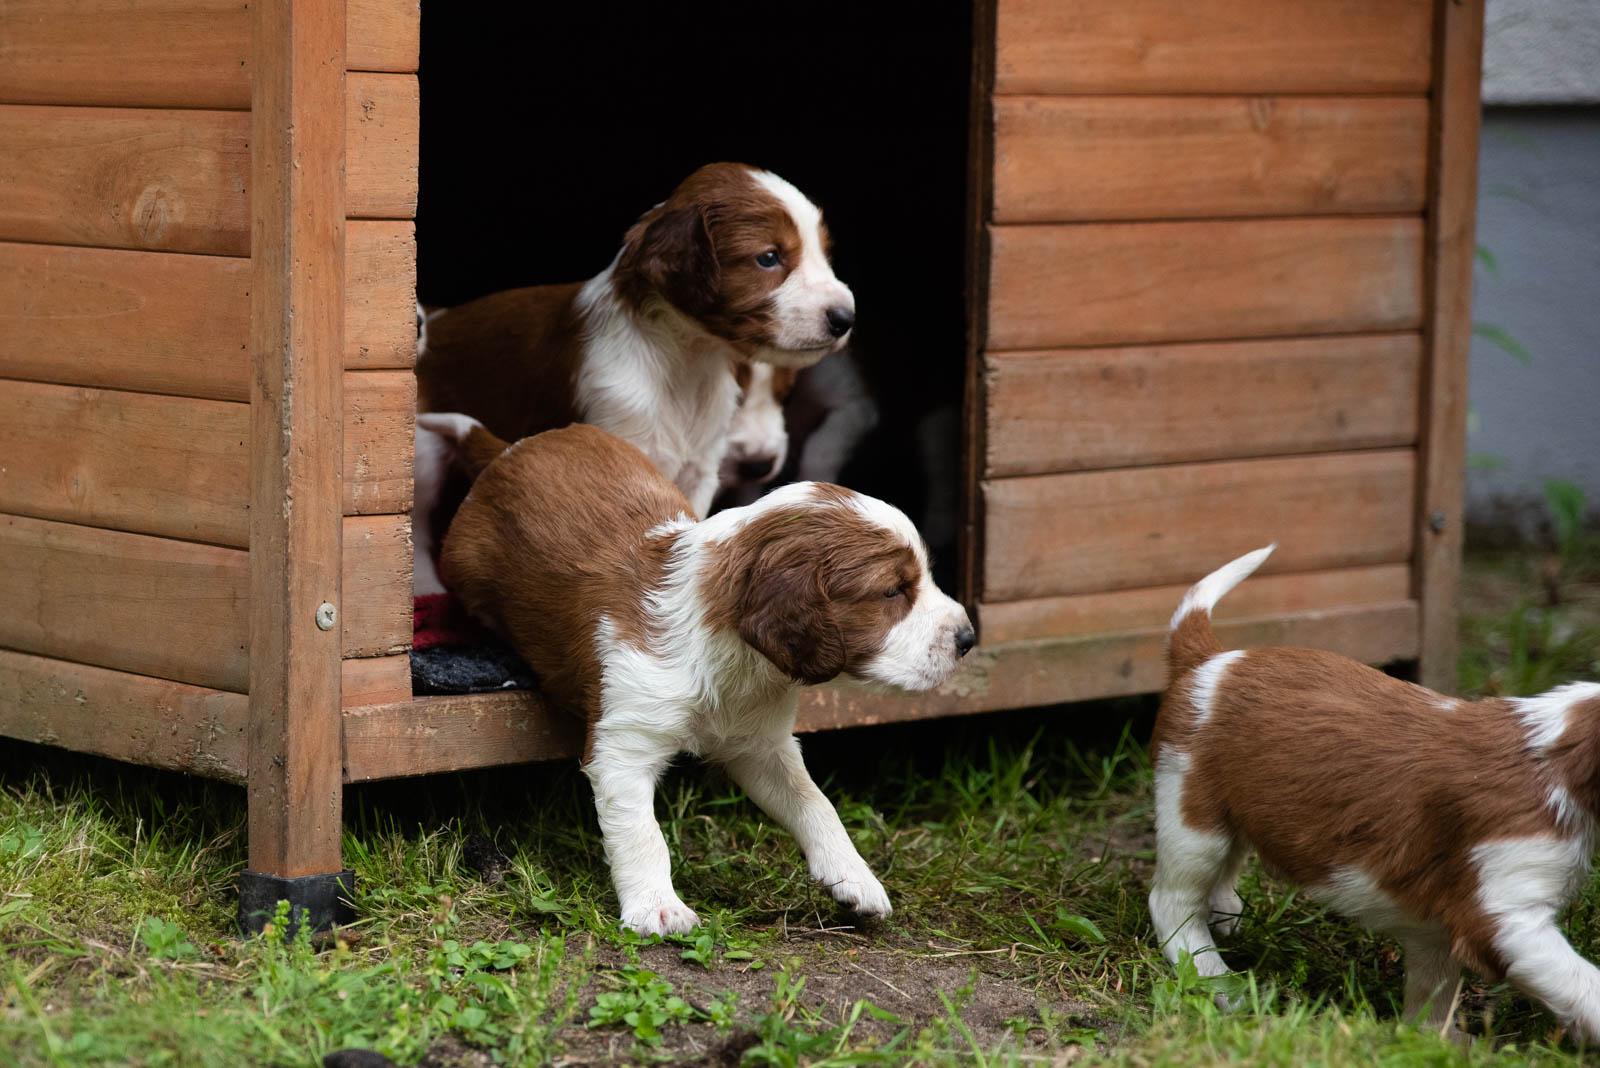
point(547, 129)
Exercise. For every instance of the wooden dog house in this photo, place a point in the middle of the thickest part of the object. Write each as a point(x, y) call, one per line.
point(1218, 266)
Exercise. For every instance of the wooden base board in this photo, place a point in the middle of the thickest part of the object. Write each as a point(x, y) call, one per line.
point(436, 734)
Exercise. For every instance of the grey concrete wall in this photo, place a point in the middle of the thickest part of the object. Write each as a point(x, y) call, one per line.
point(1539, 217)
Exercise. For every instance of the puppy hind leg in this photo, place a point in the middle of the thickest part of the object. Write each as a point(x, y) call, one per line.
point(1226, 905)
point(1190, 862)
point(1433, 976)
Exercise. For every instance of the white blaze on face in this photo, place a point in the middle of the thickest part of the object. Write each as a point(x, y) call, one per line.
point(920, 651)
point(801, 303)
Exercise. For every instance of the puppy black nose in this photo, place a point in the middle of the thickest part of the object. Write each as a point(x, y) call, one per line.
point(755, 470)
point(840, 320)
point(965, 640)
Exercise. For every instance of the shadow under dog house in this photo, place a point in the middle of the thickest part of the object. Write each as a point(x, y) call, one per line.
point(1218, 269)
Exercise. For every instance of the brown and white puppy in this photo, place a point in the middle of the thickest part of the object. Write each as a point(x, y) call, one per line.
point(673, 636)
point(758, 438)
point(732, 267)
point(1460, 828)
point(811, 420)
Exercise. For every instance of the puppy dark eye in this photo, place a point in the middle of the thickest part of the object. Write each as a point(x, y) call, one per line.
point(898, 591)
point(769, 259)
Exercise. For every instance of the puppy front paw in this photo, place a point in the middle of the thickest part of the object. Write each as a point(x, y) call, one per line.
point(662, 915)
point(855, 887)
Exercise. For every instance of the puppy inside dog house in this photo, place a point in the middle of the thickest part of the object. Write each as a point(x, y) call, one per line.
point(1134, 282)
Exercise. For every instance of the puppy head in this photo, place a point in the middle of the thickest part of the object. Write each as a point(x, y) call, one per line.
point(758, 439)
point(823, 581)
point(745, 255)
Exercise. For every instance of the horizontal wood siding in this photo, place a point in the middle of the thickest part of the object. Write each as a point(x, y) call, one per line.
point(1220, 46)
point(158, 322)
point(1120, 283)
point(173, 466)
point(167, 53)
point(1121, 610)
point(172, 609)
point(1080, 409)
point(1094, 531)
point(1064, 159)
point(115, 714)
point(435, 734)
point(177, 466)
point(177, 610)
point(178, 181)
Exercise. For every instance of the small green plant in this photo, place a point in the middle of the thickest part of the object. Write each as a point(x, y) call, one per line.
point(644, 1005)
point(20, 842)
point(165, 941)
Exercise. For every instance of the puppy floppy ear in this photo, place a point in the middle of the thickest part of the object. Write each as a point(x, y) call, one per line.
point(672, 253)
point(786, 618)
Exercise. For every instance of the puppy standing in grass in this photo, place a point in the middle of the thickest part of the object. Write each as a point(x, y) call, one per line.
point(1459, 828)
point(669, 635)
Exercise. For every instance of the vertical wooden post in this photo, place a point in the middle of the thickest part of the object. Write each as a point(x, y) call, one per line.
point(297, 206)
point(1452, 206)
point(980, 181)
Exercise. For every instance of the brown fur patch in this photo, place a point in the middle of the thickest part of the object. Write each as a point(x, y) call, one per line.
point(508, 360)
point(541, 556)
point(806, 586)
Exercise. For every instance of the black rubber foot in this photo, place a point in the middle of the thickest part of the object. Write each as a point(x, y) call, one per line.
point(323, 901)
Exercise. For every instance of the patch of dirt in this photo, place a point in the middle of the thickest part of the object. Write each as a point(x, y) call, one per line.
point(840, 968)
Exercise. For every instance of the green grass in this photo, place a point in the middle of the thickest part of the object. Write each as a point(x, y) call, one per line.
point(1016, 849)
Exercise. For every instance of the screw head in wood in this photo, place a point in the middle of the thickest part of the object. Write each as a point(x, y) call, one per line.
point(327, 616)
point(1436, 522)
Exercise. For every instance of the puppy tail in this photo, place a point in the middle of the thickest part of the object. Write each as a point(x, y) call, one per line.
point(1192, 641)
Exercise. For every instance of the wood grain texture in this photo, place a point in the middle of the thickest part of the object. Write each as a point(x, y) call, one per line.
point(156, 53)
point(125, 178)
point(167, 53)
point(383, 34)
point(1129, 283)
point(375, 680)
point(157, 322)
point(297, 317)
point(178, 180)
point(142, 720)
point(172, 466)
point(172, 609)
point(975, 297)
point(379, 416)
point(1068, 159)
point(106, 458)
point(377, 615)
point(382, 117)
point(1223, 46)
point(1094, 531)
point(1452, 206)
point(380, 327)
point(435, 734)
point(148, 321)
point(1082, 409)
point(1262, 595)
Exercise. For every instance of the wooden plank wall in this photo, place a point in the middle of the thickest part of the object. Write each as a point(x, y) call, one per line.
point(1204, 325)
point(124, 367)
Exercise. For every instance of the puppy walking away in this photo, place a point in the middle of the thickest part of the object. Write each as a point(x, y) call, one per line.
point(1460, 828)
